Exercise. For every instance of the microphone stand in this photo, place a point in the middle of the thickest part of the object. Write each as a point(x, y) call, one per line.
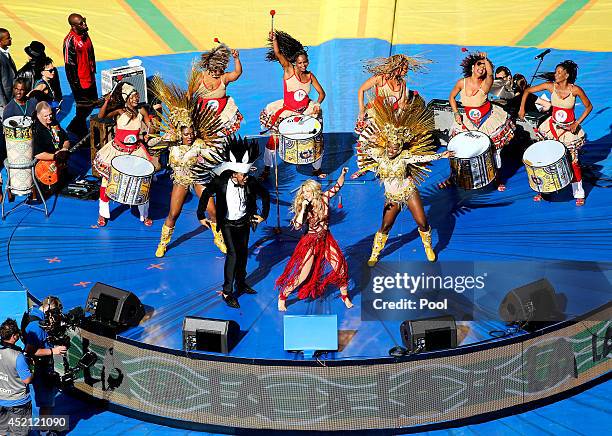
point(536, 71)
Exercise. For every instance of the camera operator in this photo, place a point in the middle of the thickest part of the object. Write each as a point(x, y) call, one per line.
point(15, 401)
point(38, 346)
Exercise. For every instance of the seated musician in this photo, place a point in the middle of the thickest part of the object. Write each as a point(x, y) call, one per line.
point(21, 105)
point(49, 140)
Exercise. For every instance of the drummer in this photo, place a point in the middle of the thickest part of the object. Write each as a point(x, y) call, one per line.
point(297, 82)
point(562, 125)
point(129, 139)
point(480, 114)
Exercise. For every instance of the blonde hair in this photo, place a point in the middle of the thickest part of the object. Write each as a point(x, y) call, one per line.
point(317, 198)
point(387, 66)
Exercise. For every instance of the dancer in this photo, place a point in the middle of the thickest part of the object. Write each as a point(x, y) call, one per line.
point(132, 122)
point(236, 199)
point(192, 133)
point(397, 146)
point(388, 82)
point(480, 114)
point(316, 249)
point(562, 125)
point(297, 81)
point(213, 86)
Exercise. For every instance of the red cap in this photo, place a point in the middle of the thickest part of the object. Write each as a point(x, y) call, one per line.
point(272, 12)
point(216, 39)
point(463, 49)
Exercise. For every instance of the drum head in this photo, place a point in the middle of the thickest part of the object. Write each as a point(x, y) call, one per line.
point(299, 127)
point(133, 165)
point(544, 153)
point(17, 121)
point(469, 144)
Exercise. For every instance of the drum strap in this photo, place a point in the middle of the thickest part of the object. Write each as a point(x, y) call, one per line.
point(222, 102)
point(484, 110)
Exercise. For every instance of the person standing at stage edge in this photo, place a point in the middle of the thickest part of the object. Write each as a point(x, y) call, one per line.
point(7, 68)
point(80, 66)
point(236, 201)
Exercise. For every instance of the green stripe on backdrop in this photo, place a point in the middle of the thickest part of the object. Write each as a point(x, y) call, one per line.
point(549, 25)
point(161, 25)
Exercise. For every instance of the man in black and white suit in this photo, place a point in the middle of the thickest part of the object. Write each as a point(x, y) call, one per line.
point(236, 196)
point(8, 70)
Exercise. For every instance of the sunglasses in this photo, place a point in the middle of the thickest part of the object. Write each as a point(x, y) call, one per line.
point(50, 70)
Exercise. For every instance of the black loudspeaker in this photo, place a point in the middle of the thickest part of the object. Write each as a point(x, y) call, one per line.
point(114, 306)
point(533, 305)
point(208, 334)
point(430, 334)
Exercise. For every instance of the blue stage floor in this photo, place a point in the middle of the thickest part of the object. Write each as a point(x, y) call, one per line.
point(66, 254)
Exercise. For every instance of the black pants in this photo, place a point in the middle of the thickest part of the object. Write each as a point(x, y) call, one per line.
point(236, 236)
point(84, 101)
point(14, 420)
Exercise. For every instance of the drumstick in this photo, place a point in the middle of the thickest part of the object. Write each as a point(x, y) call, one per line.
point(272, 13)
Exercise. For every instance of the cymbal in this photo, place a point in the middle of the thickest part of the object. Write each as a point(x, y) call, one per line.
point(499, 90)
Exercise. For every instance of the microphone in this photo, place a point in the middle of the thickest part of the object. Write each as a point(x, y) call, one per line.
point(544, 53)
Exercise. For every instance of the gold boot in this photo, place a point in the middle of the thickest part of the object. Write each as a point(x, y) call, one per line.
point(166, 235)
point(380, 239)
point(426, 238)
point(218, 239)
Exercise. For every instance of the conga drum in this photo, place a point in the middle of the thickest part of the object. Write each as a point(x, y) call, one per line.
point(301, 140)
point(130, 180)
point(100, 130)
point(547, 166)
point(19, 152)
point(473, 165)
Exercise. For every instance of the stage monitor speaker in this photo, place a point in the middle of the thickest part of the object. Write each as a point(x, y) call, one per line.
point(429, 334)
point(114, 306)
point(533, 305)
point(133, 73)
point(310, 333)
point(209, 334)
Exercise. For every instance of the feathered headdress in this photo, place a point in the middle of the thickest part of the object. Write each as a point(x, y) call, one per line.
point(180, 109)
point(289, 47)
point(410, 128)
point(386, 66)
point(216, 59)
point(240, 154)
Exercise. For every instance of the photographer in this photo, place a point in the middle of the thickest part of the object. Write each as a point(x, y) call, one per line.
point(38, 346)
point(15, 401)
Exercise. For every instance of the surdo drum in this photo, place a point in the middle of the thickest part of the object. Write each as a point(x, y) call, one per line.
point(130, 180)
point(473, 165)
point(547, 166)
point(301, 139)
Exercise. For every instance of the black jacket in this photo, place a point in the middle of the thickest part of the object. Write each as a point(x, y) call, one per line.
point(218, 188)
point(31, 72)
point(71, 65)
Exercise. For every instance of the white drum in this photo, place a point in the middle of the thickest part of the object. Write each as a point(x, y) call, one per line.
point(473, 165)
point(547, 166)
point(18, 136)
point(301, 139)
point(130, 179)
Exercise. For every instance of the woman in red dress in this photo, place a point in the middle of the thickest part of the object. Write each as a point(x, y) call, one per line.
point(316, 249)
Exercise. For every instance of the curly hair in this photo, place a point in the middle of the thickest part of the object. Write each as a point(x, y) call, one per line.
point(317, 199)
point(571, 68)
point(289, 47)
point(387, 66)
point(215, 60)
point(469, 61)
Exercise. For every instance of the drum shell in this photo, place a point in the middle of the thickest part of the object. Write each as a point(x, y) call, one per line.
point(474, 172)
point(19, 151)
point(128, 188)
point(551, 177)
point(301, 151)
